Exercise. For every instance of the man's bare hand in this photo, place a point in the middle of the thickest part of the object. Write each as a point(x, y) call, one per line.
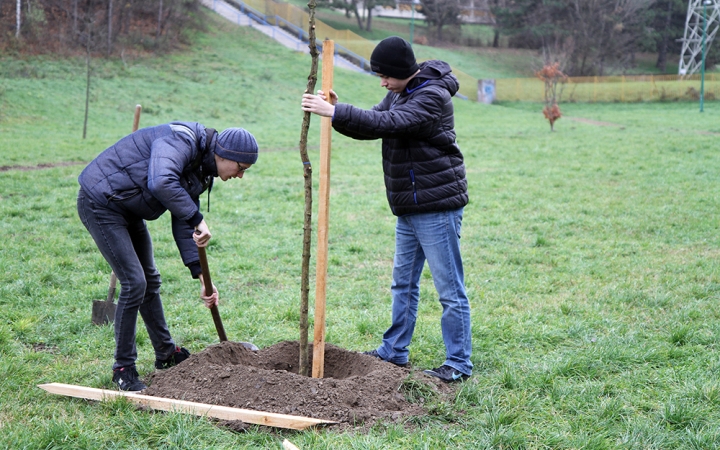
point(319, 104)
point(202, 234)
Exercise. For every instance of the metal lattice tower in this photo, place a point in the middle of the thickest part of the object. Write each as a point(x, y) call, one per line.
point(691, 53)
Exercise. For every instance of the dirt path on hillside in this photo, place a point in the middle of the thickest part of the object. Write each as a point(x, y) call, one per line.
point(593, 122)
point(40, 166)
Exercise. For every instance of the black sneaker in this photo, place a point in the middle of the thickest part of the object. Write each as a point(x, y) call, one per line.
point(375, 354)
point(179, 355)
point(447, 374)
point(127, 379)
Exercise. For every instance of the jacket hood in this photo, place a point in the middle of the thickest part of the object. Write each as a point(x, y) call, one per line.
point(436, 72)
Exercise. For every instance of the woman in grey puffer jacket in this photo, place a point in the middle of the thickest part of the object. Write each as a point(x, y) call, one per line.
point(146, 173)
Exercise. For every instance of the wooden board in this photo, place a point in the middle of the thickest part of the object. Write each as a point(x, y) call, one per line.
point(318, 368)
point(198, 409)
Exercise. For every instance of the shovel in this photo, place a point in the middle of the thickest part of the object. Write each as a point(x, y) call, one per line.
point(103, 311)
point(214, 310)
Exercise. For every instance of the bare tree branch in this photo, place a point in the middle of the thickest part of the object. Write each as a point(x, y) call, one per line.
point(304, 367)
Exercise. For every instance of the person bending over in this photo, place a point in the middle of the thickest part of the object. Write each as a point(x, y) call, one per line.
point(153, 170)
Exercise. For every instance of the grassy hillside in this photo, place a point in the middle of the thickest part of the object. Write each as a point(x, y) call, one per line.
point(234, 77)
point(591, 259)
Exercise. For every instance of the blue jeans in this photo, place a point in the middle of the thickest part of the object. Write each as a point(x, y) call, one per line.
point(434, 237)
point(126, 245)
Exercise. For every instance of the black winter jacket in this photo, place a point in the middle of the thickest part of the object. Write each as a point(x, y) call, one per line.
point(423, 166)
point(152, 170)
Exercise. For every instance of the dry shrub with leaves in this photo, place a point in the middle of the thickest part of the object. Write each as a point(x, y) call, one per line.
point(551, 74)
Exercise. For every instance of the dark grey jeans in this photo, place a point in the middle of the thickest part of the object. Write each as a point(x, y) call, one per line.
point(126, 245)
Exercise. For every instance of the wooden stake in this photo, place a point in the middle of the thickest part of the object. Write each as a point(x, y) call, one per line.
point(323, 217)
point(287, 445)
point(198, 409)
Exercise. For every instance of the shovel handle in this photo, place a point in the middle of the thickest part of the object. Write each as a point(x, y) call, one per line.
point(111, 289)
point(136, 118)
point(209, 288)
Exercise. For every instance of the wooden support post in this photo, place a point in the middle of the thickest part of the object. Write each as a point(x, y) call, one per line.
point(318, 364)
point(136, 118)
point(198, 409)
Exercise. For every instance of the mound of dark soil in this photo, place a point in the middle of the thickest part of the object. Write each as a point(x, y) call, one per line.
point(357, 390)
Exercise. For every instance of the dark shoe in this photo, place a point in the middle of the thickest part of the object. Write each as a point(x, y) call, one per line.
point(447, 374)
point(179, 355)
point(128, 379)
point(375, 354)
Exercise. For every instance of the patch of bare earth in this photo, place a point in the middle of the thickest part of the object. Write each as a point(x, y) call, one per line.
point(39, 166)
point(592, 122)
point(357, 390)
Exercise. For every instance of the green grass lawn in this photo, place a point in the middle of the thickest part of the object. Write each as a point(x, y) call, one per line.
point(591, 259)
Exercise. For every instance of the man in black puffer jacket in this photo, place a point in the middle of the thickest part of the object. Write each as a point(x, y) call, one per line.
point(146, 173)
point(426, 189)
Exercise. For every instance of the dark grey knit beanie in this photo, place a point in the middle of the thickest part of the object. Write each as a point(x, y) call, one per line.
point(394, 57)
point(237, 144)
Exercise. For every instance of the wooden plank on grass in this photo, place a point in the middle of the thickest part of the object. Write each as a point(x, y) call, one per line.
point(198, 409)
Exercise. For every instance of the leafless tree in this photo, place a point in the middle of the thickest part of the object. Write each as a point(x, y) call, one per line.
point(18, 21)
point(497, 4)
point(304, 363)
point(605, 31)
point(439, 13)
point(591, 34)
point(159, 20)
point(109, 27)
point(362, 10)
point(57, 25)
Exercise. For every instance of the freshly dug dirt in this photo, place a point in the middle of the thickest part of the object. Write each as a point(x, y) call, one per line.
point(357, 390)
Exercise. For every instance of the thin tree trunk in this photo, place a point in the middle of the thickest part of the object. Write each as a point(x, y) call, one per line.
point(304, 368)
point(18, 21)
point(663, 45)
point(121, 19)
point(357, 16)
point(127, 17)
point(159, 21)
point(87, 82)
point(368, 20)
point(496, 38)
point(167, 15)
point(109, 31)
point(75, 17)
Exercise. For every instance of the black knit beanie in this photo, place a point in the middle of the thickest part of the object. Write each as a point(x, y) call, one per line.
point(237, 144)
point(394, 57)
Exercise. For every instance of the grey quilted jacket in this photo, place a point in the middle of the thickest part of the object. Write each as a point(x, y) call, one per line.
point(153, 170)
